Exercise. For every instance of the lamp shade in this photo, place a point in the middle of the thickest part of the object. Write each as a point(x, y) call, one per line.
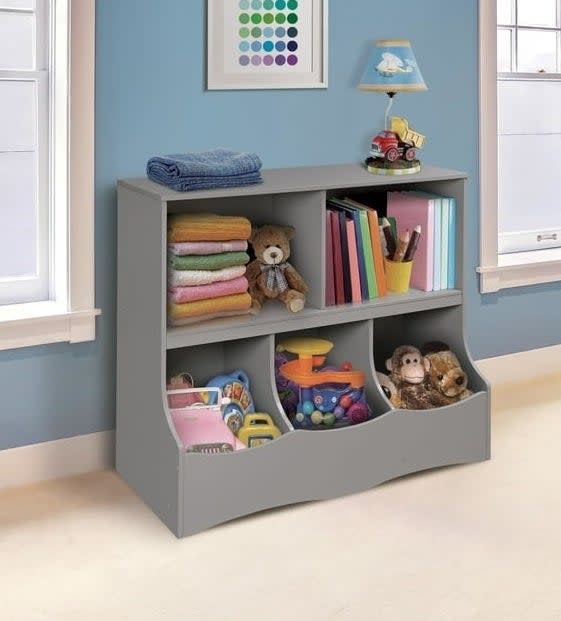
point(392, 68)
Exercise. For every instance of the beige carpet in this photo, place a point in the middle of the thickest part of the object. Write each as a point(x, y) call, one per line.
point(479, 542)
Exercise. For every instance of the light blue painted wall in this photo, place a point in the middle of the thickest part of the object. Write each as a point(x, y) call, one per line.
point(150, 99)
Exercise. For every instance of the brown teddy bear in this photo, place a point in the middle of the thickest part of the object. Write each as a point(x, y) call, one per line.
point(269, 274)
point(445, 372)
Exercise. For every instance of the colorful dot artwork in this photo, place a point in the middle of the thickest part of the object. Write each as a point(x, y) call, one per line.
point(268, 33)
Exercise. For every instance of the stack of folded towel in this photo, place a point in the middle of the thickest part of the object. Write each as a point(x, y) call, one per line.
point(207, 261)
point(218, 168)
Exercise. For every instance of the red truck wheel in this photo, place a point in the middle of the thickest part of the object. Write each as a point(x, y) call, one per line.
point(392, 154)
point(409, 155)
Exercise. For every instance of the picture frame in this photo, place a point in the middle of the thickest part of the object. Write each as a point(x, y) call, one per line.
point(266, 44)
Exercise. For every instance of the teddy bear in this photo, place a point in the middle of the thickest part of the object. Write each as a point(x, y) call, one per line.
point(408, 371)
point(269, 274)
point(445, 372)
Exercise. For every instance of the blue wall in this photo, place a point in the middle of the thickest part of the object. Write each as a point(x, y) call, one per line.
point(150, 99)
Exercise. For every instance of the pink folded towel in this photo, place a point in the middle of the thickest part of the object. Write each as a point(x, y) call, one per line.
point(204, 292)
point(208, 247)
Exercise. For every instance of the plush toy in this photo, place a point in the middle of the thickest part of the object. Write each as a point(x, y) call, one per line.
point(408, 370)
point(269, 274)
point(445, 372)
point(389, 389)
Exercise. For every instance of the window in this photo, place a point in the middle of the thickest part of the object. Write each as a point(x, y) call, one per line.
point(46, 171)
point(24, 151)
point(520, 142)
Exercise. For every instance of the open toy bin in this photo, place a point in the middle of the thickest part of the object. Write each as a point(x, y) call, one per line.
point(324, 377)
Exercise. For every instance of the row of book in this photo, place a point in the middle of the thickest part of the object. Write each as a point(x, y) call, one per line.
point(356, 245)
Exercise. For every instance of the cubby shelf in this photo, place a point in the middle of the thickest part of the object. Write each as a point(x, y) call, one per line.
point(191, 492)
point(274, 318)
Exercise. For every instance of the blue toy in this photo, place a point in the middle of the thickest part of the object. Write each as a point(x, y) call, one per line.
point(236, 398)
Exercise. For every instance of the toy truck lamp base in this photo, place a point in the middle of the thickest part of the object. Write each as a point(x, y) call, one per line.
point(399, 141)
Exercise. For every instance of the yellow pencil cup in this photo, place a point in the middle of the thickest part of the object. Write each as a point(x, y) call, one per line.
point(398, 275)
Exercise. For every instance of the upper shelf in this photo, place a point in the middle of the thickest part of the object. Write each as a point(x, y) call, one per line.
point(300, 179)
point(274, 318)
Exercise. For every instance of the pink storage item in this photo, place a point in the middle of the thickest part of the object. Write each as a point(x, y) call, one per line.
point(183, 380)
point(200, 425)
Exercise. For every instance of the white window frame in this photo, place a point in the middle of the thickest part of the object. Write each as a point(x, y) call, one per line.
point(70, 314)
point(506, 270)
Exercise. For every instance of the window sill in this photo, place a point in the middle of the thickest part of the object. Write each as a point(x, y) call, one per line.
point(25, 325)
point(521, 269)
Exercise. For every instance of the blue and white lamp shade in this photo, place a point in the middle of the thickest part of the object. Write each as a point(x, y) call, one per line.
point(392, 68)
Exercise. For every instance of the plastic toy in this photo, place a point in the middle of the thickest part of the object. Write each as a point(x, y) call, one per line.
point(200, 426)
point(236, 399)
point(287, 390)
point(328, 397)
point(258, 429)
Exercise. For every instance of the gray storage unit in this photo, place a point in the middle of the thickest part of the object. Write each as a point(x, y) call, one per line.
point(191, 492)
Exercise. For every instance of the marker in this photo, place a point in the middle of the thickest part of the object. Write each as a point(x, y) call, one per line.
point(390, 241)
point(413, 242)
point(402, 246)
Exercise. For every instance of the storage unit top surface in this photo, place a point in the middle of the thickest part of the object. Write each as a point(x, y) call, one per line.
point(299, 179)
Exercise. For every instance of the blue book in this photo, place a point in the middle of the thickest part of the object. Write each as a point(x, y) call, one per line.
point(452, 244)
point(444, 243)
point(436, 274)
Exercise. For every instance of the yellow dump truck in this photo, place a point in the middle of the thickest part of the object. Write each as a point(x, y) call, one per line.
point(399, 141)
point(401, 127)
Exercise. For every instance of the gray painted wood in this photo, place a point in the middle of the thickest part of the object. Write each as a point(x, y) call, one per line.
point(315, 465)
point(146, 448)
point(299, 179)
point(191, 492)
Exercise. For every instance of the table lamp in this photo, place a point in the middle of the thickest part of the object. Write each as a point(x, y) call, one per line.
point(392, 69)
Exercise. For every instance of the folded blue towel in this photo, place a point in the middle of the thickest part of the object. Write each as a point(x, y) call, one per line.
point(209, 169)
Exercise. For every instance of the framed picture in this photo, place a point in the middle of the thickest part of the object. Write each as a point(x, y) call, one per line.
point(262, 44)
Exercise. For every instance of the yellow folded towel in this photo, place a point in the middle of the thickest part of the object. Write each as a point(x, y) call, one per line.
point(212, 307)
point(183, 227)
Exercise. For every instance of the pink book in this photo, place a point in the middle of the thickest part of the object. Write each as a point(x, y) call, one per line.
point(353, 262)
point(410, 209)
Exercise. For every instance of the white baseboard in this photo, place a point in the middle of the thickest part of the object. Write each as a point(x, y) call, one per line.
point(521, 367)
point(96, 451)
point(53, 460)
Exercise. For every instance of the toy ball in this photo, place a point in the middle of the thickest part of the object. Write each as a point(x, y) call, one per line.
point(339, 412)
point(307, 407)
point(358, 412)
point(346, 366)
point(317, 417)
point(345, 401)
point(329, 420)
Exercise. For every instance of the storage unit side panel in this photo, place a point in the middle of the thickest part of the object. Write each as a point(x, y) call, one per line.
point(146, 449)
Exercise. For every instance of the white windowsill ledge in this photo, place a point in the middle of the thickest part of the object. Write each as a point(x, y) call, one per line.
point(39, 323)
point(520, 269)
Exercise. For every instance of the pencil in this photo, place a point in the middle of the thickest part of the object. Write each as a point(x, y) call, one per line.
point(413, 242)
point(402, 246)
point(390, 241)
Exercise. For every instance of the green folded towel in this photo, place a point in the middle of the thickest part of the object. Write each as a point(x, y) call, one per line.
point(208, 261)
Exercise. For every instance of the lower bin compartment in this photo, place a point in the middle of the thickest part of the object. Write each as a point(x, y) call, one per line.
point(242, 373)
point(324, 377)
point(420, 329)
point(303, 466)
